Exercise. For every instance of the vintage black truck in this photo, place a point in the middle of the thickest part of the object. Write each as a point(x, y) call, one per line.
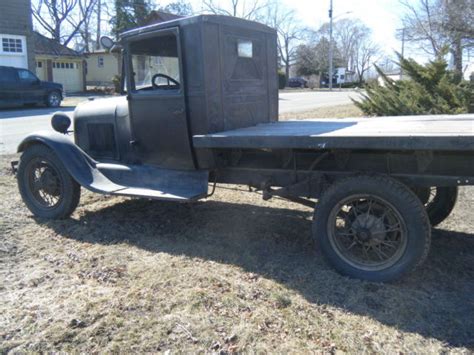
point(200, 107)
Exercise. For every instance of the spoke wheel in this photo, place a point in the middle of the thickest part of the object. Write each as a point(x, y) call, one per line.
point(44, 182)
point(367, 232)
point(372, 228)
point(45, 185)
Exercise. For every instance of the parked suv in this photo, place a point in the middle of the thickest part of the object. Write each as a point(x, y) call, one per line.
point(19, 86)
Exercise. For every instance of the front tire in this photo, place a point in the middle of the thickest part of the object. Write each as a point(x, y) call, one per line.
point(45, 186)
point(372, 228)
point(54, 99)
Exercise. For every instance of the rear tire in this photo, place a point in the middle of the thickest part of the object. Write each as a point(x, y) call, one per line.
point(45, 186)
point(439, 202)
point(372, 227)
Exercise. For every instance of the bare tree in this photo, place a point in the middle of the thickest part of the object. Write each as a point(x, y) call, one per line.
point(422, 24)
point(353, 46)
point(249, 10)
point(312, 53)
point(62, 19)
point(347, 34)
point(438, 25)
point(388, 64)
point(289, 32)
point(86, 9)
point(365, 53)
point(52, 15)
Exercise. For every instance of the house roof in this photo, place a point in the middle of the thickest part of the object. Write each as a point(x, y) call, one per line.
point(48, 46)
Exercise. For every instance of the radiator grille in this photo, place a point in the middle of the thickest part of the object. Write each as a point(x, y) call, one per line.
point(101, 140)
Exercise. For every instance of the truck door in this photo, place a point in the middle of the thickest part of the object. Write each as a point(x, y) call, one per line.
point(31, 89)
point(10, 90)
point(156, 95)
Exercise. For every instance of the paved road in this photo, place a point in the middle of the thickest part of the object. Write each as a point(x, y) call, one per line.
point(15, 124)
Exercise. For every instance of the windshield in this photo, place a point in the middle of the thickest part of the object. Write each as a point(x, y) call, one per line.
point(155, 63)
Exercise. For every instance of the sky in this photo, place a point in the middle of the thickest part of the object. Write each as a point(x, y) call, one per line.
point(382, 16)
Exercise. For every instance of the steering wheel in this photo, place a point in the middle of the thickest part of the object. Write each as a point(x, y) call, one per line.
point(167, 77)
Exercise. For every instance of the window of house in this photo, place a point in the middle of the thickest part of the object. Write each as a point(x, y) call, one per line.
point(100, 62)
point(12, 45)
point(62, 66)
point(39, 64)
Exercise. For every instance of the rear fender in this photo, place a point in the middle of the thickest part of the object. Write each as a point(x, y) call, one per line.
point(79, 165)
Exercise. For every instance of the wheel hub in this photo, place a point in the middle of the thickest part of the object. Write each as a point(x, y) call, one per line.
point(364, 234)
point(369, 229)
point(49, 182)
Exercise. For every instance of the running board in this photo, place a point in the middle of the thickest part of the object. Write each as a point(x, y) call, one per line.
point(151, 182)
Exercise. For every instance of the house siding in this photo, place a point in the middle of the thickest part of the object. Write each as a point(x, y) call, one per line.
point(15, 19)
point(102, 76)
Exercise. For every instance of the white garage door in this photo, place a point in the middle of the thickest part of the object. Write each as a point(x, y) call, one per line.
point(69, 74)
point(13, 51)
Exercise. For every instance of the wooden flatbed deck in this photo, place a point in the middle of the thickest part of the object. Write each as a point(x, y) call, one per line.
point(436, 132)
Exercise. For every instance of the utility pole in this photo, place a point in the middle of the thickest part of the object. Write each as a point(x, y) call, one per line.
point(403, 51)
point(330, 47)
point(99, 24)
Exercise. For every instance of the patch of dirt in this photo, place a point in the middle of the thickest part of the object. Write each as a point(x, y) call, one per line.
point(232, 274)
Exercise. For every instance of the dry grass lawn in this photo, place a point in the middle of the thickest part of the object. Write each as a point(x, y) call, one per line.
point(339, 111)
point(231, 274)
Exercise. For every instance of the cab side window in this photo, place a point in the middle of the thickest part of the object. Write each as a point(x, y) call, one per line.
point(26, 76)
point(155, 64)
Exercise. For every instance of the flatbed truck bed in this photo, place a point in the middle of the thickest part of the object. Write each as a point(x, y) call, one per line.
point(446, 133)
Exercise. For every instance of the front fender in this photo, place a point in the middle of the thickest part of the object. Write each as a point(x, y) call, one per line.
point(80, 166)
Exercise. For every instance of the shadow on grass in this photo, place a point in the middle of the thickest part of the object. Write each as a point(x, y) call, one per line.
point(435, 301)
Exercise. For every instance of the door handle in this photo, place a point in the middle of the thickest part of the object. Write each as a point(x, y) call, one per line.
point(178, 112)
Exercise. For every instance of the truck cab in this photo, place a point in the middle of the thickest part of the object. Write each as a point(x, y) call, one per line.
point(181, 78)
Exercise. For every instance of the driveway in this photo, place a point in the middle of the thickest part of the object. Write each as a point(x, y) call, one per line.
point(15, 124)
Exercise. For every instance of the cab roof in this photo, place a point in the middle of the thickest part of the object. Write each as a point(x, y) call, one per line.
point(186, 21)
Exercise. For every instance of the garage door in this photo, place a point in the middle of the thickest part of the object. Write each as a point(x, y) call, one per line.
point(69, 74)
point(13, 51)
